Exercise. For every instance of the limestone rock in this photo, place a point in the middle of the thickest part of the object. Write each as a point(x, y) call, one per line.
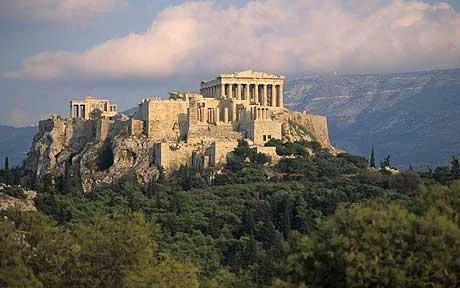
point(87, 153)
point(304, 126)
point(25, 204)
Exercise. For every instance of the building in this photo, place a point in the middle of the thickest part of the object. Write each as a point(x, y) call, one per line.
point(200, 129)
point(82, 109)
point(249, 87)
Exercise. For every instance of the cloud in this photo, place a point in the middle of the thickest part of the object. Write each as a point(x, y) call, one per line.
point(274, 35)
point(56, 10)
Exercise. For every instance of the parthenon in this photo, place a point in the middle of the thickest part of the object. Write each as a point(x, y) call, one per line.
point(252, 87)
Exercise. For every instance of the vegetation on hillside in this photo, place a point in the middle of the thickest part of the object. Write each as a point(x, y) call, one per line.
point(312, 220)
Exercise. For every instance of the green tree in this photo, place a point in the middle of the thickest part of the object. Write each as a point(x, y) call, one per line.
point(13, 270)
point(7, 163)
point(455, 170)
point(372, 160)
point(380, 245)
point(442, 174)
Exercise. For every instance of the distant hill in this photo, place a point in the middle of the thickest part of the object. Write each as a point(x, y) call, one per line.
point(15, 143)
point(414, 117)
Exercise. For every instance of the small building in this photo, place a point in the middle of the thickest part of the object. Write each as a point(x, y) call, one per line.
point(82, 109)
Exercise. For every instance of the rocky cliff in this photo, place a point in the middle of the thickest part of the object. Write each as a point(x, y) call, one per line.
point(85, 153)
point(82, 154)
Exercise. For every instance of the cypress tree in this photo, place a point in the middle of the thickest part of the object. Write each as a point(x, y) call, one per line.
point(455, 171)
point(7, 164)
point(372, 160)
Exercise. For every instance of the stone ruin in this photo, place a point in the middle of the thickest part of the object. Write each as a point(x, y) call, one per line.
point(190, 128)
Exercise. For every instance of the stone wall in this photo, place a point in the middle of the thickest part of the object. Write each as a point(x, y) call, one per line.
point(171, 156)
point(207, 133)
point(135, 127)
point(219, 151)
point(298, 125)
point(166, 120)
point(261, 131)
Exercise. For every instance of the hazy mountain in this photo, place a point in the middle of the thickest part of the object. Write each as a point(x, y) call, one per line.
point(15, 143)
point(414, 117)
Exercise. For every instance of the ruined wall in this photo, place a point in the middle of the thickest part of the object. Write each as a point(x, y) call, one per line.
point(218, 152)
point(297, 126)
point(165, 119)
point(261, 131)
point(171, 156)
point(207, 133)
point(135, 127)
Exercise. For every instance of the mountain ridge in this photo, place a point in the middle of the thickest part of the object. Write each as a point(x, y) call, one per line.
point(410, 116)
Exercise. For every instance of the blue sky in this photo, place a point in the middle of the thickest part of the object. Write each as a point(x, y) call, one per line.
point(55, 50)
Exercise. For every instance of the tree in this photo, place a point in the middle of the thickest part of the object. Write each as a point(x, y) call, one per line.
point(455, 171)
point(7, 164)
point(380, 245)
point(442, 174)
point(386, 162)
point(372, 160)
point(13, 271)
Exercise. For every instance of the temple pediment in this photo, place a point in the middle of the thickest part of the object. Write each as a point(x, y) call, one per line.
point(251, 74)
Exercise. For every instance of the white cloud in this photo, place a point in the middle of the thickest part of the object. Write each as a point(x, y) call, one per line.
point(275, 35)
point(57, 10)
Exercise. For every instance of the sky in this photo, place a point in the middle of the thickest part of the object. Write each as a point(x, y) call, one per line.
point(52, 51)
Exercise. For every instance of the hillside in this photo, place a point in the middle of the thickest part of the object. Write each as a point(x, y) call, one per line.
point(411, 116)
point(15, 143)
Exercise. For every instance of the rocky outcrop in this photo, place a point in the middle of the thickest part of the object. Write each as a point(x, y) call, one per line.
point(16, 197)
point(304, 126)
point(86, 153)
point(82, 154)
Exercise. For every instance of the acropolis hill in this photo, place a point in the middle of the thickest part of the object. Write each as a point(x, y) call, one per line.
point(96, 144)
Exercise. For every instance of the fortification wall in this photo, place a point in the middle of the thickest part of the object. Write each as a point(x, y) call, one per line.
point(298, 125)
point(261, 131)
point(208, 133)
point(166, 120)
point(171, 156)
point(219, 151)
point(135, 127)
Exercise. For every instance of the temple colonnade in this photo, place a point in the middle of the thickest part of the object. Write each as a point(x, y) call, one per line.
point(262, 94)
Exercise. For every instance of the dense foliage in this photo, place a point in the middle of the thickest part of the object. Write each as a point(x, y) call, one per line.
point(313, 219)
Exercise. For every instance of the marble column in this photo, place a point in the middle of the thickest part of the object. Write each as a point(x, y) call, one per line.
point(238, 91)
point(280, 96)
point(217, 114)
point(264, 99)
point(229, 93)
point(256, 93)
point(82, 111)
point(222, 90)
point(225, 115)
point(246, 92)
